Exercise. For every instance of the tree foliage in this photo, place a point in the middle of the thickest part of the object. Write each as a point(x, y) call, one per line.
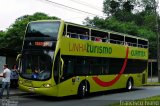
point(13, 37)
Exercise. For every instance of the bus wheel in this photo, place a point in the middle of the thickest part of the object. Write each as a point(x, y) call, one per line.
point(82, 90)
point(129, 85)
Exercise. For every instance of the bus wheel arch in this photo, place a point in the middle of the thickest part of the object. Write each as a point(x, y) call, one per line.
point(129, 84)
point(83, 89)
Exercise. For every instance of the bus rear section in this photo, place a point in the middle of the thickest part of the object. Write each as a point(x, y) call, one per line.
point(90, 65)
point(98, 66)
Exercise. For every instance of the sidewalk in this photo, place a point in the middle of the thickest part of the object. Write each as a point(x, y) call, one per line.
point(152, 79)
point(15, 92)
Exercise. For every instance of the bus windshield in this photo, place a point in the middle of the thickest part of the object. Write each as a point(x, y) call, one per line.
point(37, 65)
point(43, 29)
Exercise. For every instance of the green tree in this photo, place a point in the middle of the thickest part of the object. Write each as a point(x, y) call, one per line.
point(2, 35)
point(128, 7)
point(120, 9)
point(14, 34)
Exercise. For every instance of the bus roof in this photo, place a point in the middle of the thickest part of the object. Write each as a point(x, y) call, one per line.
point(94, 28)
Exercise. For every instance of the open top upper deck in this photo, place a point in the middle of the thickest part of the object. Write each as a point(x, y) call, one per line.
point(94, 34)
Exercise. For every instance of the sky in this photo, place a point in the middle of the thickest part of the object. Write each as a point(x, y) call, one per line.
point(10, 10)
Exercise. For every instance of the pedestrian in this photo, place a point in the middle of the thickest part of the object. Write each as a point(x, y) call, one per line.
point(5, 80)
point(14, 77)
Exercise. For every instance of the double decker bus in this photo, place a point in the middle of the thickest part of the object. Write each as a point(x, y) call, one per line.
point(60, 58)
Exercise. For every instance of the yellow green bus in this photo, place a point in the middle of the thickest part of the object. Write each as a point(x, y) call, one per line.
point(60, 58)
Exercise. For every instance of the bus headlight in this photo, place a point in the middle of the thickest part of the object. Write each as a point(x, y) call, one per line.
point(47, 85)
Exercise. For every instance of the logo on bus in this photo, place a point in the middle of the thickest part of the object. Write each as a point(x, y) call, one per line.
point(77, 47)
point(138, 53)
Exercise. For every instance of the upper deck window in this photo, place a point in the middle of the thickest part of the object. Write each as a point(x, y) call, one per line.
point(43, 29)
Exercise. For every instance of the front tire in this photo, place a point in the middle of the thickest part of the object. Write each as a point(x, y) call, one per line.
point(83, 90)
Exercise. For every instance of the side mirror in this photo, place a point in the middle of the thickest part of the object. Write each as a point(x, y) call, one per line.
point(18, 57)
point(62, 64)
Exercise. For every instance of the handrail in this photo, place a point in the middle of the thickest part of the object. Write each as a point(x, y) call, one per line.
point(117, 41)
point(104, 39)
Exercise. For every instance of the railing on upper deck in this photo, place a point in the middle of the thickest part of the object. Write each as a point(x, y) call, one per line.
point(100, 39)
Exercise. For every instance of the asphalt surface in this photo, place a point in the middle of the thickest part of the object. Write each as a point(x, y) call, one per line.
point(95, 99)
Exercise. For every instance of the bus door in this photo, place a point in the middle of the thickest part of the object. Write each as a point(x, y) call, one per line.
point(58, 68)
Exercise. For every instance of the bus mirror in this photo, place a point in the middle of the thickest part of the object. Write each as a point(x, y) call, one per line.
point(62, 64)
point(18, 57)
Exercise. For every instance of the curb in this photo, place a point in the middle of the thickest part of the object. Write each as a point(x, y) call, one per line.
point(16, 92)
point(152, 85)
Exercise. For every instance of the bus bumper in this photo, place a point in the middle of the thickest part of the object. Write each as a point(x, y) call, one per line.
point(52, 91)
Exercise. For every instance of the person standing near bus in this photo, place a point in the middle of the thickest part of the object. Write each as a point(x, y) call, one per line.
point(6, 80)
point(14, 77)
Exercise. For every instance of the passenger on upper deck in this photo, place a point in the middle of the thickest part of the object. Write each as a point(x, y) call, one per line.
point(84, 36)
point(98, 39)
point(126, 43)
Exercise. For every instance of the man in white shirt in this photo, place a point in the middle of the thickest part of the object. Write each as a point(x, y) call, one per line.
point(5, 81)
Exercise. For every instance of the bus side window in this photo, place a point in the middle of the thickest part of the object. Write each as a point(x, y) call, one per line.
point(96, 67)
point(74, 35)
point(105, 66)
point(84, 37)
point(82, 66)
point(106, 39)
point(70, 68)
point(92, 38)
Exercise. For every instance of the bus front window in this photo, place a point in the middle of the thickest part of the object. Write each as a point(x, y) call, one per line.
point(43, 29)
point(37, 65)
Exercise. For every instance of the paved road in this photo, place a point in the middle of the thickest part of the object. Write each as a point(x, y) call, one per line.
point(96, 99)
